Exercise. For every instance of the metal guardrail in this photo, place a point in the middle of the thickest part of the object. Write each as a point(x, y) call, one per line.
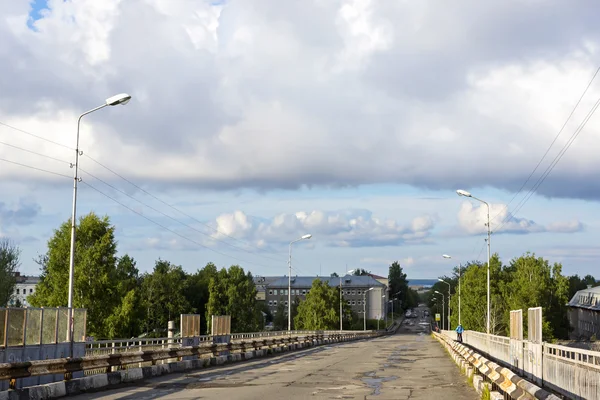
point(106, 362)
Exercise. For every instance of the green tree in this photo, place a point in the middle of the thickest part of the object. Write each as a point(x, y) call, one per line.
point(232, 292)
point(127, 317)
point(576, 284)
point(398, 285)
point(95, 278)
point(280, 320)
point(334, 275)
point(9, 264)
point(197, 292)
point(163, 296)
point(320, 310)
point(360, 272)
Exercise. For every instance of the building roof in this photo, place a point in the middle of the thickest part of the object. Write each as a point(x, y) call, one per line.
point(377, 276)
point(28, 280)
point(261, 282)
point(347, 281)
point(588, 298)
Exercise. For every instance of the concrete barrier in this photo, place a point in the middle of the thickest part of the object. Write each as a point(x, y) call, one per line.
point(110, 380)
point(510, 383)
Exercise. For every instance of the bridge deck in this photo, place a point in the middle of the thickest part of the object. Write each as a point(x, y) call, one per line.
point(407, 365)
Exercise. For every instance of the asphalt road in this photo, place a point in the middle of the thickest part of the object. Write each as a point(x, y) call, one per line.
point(407, 365)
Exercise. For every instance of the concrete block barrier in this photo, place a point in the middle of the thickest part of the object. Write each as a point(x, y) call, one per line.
point(110, 380)
point(511, 384)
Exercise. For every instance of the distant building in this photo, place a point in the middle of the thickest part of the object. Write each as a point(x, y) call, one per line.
point(261, 283)
point(584, 314)
point(25, 286)
point(353, 292)
point(381, 279)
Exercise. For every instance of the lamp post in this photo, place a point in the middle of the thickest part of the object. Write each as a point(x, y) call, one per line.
point(123, 99)
point(441, 280)
point(467, 194)
point(459, 277)
point(305, 237)
point(365, 307)
point(385, 308)
point(443, 308)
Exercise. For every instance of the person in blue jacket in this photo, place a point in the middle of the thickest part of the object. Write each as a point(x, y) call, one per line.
point(459, 332)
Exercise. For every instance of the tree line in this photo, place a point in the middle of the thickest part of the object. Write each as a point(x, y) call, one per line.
point(122, 302)
point(526, 281)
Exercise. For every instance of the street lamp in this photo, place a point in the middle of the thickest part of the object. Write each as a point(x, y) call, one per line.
point(459, 277)
point(467, 194)
point(443, 308)
point(305, 237)
point(441, 280)
point(347, 273)
point(123, 99)
point(365, 307)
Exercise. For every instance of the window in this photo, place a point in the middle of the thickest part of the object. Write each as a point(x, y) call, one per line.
point(286, 303)
point(270, 293)
point(304, 292)
point(349, 303)
point(30, 290)
point(275, 302)
point(347, 293)
point(353, 292)
point(17, 291)
point(354, 303)
point(358, 303)
point(358, 292)
point(275, 292)
point(286, 292)
point(270, 303)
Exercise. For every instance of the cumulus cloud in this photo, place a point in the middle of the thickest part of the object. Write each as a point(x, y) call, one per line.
point(279, 94)
point(22, 213)
point(347, 228)
point(473, 220)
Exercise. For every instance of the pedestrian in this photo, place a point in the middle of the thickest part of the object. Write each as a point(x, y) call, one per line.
point(459, 332)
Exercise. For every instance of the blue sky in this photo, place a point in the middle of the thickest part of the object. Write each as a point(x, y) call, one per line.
point(266, 120)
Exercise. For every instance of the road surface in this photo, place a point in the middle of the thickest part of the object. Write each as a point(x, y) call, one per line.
point(408, 365)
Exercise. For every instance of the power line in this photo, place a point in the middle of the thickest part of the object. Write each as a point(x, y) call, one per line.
point(36, 168)
point(551, 144)
point(35, 136)
point(34, 152)
point(169, 205)
point(553, 164)
point(169, 230)
point(172, 218)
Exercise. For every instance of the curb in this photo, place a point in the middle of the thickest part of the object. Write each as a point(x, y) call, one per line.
point(100, 382)
point(509, 382)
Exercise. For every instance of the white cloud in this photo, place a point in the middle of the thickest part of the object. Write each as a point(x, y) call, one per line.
point(347, 228)
point(269, 94)
point(473, 220)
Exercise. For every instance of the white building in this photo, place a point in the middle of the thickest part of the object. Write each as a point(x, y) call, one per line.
point(25, 286)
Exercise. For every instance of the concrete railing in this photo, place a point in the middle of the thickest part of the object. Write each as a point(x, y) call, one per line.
point(572, 372)
point(127, 361)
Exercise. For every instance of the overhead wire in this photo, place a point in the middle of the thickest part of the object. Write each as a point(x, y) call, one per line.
point(36, 168)
point(172, 206)
point(551, 166)
point(172, 218)
point(551, 144)
point(35, 136)
point(34, 152)
point(171, 230)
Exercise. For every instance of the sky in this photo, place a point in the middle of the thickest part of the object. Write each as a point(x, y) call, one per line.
point(255, 122)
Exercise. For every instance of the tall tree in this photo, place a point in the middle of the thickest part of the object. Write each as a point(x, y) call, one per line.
point(321, 308)
point(197, 292)
point(126, 319)
point(9, 264)
point(398, 284)
point(163, 296)
point(95, 279)
point(232, 292)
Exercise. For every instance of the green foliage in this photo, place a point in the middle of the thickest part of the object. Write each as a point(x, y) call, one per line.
point(9, 264)
point(163, 295)
point(95, 275)
point(232, 292)
point(280, 320)
point(485, 393)
point(334, 275)
point(196, 292)
point(399, 283)
point(359, 272)
point(321, 309)
point(125, 320)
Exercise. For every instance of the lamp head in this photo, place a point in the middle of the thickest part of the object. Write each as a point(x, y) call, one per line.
point(446, 256)
point(369, 289)
point(307, 236)
point(441, 280)
point(461, 192)
point(437, 292)
point(122, 98)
